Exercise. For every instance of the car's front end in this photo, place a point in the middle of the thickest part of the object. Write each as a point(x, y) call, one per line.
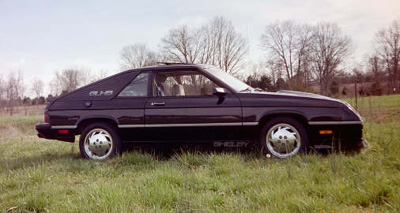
point(341, 134)
point(330, 123)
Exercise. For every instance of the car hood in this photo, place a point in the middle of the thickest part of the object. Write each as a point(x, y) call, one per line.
point(305, 94)
point(290, 98)
point(293, 101)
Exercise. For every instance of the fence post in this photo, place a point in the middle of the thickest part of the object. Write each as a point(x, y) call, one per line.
point(355, 92)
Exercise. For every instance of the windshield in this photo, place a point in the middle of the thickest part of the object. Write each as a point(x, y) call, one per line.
point(234, 83)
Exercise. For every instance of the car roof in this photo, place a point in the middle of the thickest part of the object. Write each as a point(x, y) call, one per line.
point(167, 67)
point(135, 71)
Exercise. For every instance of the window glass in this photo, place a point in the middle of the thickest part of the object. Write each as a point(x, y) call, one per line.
point(137, 88)
point(182, 83)
point(228, 79)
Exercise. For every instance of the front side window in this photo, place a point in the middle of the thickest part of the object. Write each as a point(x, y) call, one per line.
point(228, 79)
point(182, 83)
point(137, 88)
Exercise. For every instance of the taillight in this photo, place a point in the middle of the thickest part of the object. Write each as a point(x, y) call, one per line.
point(63, 131)
point(46, 117)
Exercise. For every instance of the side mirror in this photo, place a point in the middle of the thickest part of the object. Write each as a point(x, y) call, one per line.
point(219, 91)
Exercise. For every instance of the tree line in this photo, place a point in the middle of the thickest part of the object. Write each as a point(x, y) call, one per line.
point(216, 43)
point(296, 56)
point(14, 92)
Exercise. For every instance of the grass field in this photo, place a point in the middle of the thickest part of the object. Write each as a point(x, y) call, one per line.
point(41, 175)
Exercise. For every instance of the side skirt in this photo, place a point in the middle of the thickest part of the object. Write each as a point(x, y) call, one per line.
point(211, 144)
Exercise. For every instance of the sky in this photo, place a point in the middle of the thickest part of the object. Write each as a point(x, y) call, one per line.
point(40, 37)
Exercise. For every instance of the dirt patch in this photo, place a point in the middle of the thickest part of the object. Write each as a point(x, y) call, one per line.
point(9, 131)
point(379, 118)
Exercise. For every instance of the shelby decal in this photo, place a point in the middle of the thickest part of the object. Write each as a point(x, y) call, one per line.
point(101, 93)
point(230, 144)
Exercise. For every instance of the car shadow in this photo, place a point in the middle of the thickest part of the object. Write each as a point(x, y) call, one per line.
point(167, 151)
point(70, 159)
point(159, 151)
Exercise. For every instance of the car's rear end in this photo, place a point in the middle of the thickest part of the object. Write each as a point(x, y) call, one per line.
point(47, 131)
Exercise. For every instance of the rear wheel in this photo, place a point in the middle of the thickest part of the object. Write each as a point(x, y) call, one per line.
point(283, 138)
point(99, 141)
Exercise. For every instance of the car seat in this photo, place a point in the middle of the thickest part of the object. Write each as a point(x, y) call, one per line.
point(178, 90)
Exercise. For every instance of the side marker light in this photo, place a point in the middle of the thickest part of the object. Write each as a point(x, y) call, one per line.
point(325, 132)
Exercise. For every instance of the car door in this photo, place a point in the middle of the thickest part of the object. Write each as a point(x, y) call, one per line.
point(128, 107)
point(184, 108)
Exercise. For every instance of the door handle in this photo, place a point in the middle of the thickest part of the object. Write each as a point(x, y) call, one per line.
point(157, 103)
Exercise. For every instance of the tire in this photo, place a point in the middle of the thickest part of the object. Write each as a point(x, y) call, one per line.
point(99, 141)
point(287, 137)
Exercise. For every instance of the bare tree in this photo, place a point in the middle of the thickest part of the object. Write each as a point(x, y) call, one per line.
point(274, 68)
point(99, 75)
point(70, 79)
point(375, 65)
point(66, 81)
point(228, 46)
point(14, 90)
point(55, 88)
point(207, 42)
point(86, 76)
point(37, 88)
point(330, 47)
point(388, 48)
point(2, 92)
point(256, 68)
point(216, 43)
point(375, 72)
point(181, 45)
point(288, 44)
point(137, 55)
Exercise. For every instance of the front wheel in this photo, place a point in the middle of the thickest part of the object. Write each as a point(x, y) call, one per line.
point(283, 138)
point(99, 141)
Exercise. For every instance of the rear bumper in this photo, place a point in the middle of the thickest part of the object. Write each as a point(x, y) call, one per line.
point(45, 131)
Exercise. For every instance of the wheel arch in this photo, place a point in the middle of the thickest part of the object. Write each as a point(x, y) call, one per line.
point(294, 115)
point(83, 123)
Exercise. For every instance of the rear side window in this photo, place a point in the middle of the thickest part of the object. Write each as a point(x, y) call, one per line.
point(137, 88)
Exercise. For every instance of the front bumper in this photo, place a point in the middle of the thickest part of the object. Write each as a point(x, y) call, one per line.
point(346, 137)
point(45, 131)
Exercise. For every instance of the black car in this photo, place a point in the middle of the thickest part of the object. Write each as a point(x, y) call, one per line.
point(197, 104)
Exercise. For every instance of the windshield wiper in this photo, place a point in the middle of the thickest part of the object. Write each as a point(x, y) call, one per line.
point(251, 89)
point(248, 89)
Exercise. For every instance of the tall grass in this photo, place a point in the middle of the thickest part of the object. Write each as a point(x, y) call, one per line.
point(41, 175)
